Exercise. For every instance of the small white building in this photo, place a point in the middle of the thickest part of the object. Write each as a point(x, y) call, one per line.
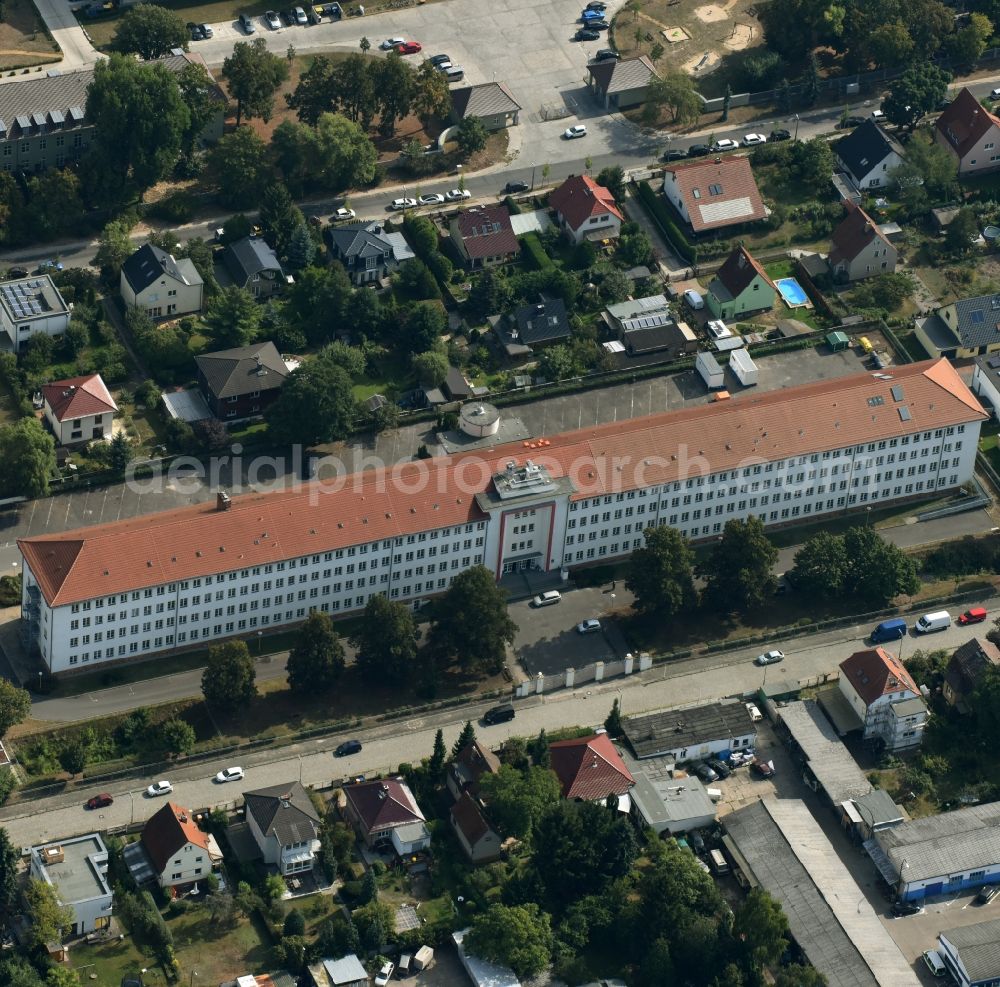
point(78, 871)
point(285, 826)
point(79, 409)
point(986, 382)
point(868, 155)
point(675, 806)
point(29, 306)
point(160, 284)
point(483, 973)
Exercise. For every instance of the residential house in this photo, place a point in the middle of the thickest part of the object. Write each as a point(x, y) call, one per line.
point(241, 382)
point(79, 409)
point(532, 326)
point(971, 133)
point(473, 761)
point(671, 806)
point(483, 236)
point(589, 768)
point(961, 329)
point(379, 809)
point(253, 265)
point(491, 102)
point(475, 835)
point(740, 286)
point(621, 83)
point(159, 284)
point(77, 870)
point(344, 972)
point(859, 248)
point(966, 668)
point(972, 953)
point(645, 325)
point(714, 194)
point(178, 852)
point(986, 382)
point(868, 155)
point(43, 120)
point(457, 386)
point(585, 210)
point(28, 307)
point(285, 826)
point(884, 697)
point(368, 252)
point(691, 734)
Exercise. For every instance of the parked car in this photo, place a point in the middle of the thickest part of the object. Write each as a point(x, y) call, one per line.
point(695, 302)
point(430, 199)
point(752, 140)
point(591, 626)
point(406, 203)
point(246, 22)
point(196, 32)
point(384, 975)
point(49, 267)
point(391, 43)
point(724, 144)
point(410, 48)
point(498, 714)
point(99, 801)
point(987, 894)
point(779, 135)
point(676, 154)
point(598, 25)
point(902, 908)
point(762, 768)
point(547, 599)
point(878, 116)
point(206, 31)
point(698, 150)
point(272, 20)
point(596, 5)
point(457, 194)
point(591, 15)
point(439, 59)
point(342, 214)
point(347, 748)
point(754, 712)
point(229, 774)
point(587, 34)
point(706, 773)
point(159, 788)
point(769, 658)
point(606, 54)
point(697, 843)
point(17, 272)
point(975, 615)
point(299, 16)
point(719, 767)
point(577, 130)
point(934, 963)
point(511, 187)
point(995, 94)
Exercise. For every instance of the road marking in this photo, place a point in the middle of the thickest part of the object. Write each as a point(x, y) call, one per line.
point(414, 724)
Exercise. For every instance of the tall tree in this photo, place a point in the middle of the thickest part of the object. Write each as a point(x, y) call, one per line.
point(254, 75)
point(317, 659)
point(675, 93)
point(386, 641)
point(660, 573)
point(471, 136)
point(432, 97)
point(315, 405)
point(517, 800)
point(233, 317)
point(760, 931)
point(821, 565)
point(466, 737)
point(279, 216)
point(395, 89)
point(613, 723)
point(29, 457)
point(114, 246)
point(356, 82)
point(968, 43)
point(240, 167)
point(316, 91)
point(739, 570)
point(149, 32)
point(518, 936)
point(613, 179)
point(200, 96)
point(878, 570)
point(229, 679)
point(342, 154)
point(8, 876)
point(317, 300)
point(176, 736)
point(472, 622)
point(49, 920)
point(435, 766)
point(916, 92)
point(15, 705)
point(56, 205)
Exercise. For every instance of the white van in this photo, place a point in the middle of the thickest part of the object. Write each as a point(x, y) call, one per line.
point(934, 963)
point(718, 862)
point(940, 620)
point(455, 73)
point(694, 299)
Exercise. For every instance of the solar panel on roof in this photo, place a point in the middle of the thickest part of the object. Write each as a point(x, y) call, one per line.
point(897, 392)
point(978, 316)
point(904, 413)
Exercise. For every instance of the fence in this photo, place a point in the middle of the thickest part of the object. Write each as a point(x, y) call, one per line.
point(573, 677)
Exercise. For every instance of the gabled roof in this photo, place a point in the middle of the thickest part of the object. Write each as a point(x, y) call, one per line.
point(486, 231)
point(718, 193)
point(590, 768)
point(977, 320)
point(77, 397)
point(614, 76)
point(243, 369)
point(968, 664)
point(473, 761)
point(488, 99)
point(865, 148)
point(542, 322)
point(283, 811)
point(251, 256)
point(149, 263)
point(854, 232)
point(469, 819)
point(361, 240)
point(738, 272)
point(965, 122)
point(978, 948)
point(383, 803)
point(875, 673)
point(579, 198)
point(168, 830)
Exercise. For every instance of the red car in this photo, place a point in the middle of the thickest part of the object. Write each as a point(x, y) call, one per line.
point(99, 801)
point(762, 768)
point(974, 616)
point(409, 48)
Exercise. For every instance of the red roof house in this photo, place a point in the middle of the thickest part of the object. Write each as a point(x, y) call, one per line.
point(971, 133)
point(478, 839)
point(375, 808)
point(714, 193)
point(590, 768)
point(859, 248)
point(484, 236)
point(179, 851)
point(586, 210)
point(79, 409)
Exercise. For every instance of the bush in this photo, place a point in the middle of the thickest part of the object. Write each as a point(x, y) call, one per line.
point(660, 211)
point(536, 254)
point(177, 207)
point(10, 590)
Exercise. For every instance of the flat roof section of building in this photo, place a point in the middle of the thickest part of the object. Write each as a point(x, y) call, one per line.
point(78, 876)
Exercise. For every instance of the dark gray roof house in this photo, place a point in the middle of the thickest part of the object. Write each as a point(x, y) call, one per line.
point(868, 154)
point(367, 251)
point(161, 284)
point(492, 102)
point(963, 328)
point(533, 325)
point(242, 380)
point(284, 825)
point(253, 265)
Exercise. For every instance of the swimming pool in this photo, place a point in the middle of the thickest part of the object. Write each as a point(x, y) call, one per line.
point(792, 292)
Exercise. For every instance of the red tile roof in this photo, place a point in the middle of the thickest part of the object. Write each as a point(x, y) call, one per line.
point(736, 201)
point(579, 198)
point(376, 504)
point(486, 231)
point(739, 270)
point(77, 397)
point(168, 830)
point(590, 768)
point(468, 817)
point(384, 803)
point(965, 122)
point(875, 673)
point(473, 761)
point(854, 232)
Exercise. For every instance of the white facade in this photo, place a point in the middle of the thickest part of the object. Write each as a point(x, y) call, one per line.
point(77, 869)
point(87, 428)
point(986, 383)
point(897, 718)
point(29, 306)
point(189, 864)
point(290, 858)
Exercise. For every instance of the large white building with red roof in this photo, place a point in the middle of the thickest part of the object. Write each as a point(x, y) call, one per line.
point(206, 572)
point(971, 133)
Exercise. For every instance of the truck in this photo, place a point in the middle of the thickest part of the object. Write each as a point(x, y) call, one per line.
point(711, 372)
point(742, 365)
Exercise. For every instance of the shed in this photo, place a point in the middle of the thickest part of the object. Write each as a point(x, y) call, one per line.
point(743, 367)
point(837, 341)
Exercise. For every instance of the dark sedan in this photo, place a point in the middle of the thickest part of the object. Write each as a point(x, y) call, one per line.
point(698, 150)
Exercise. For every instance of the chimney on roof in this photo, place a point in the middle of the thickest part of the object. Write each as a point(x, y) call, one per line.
point(223, 501)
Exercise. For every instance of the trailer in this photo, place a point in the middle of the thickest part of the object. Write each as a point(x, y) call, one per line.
point(423, 958)
point(711, 372)
point(742, 365)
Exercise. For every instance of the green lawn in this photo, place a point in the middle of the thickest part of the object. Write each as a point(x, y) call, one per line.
point(110, 961)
